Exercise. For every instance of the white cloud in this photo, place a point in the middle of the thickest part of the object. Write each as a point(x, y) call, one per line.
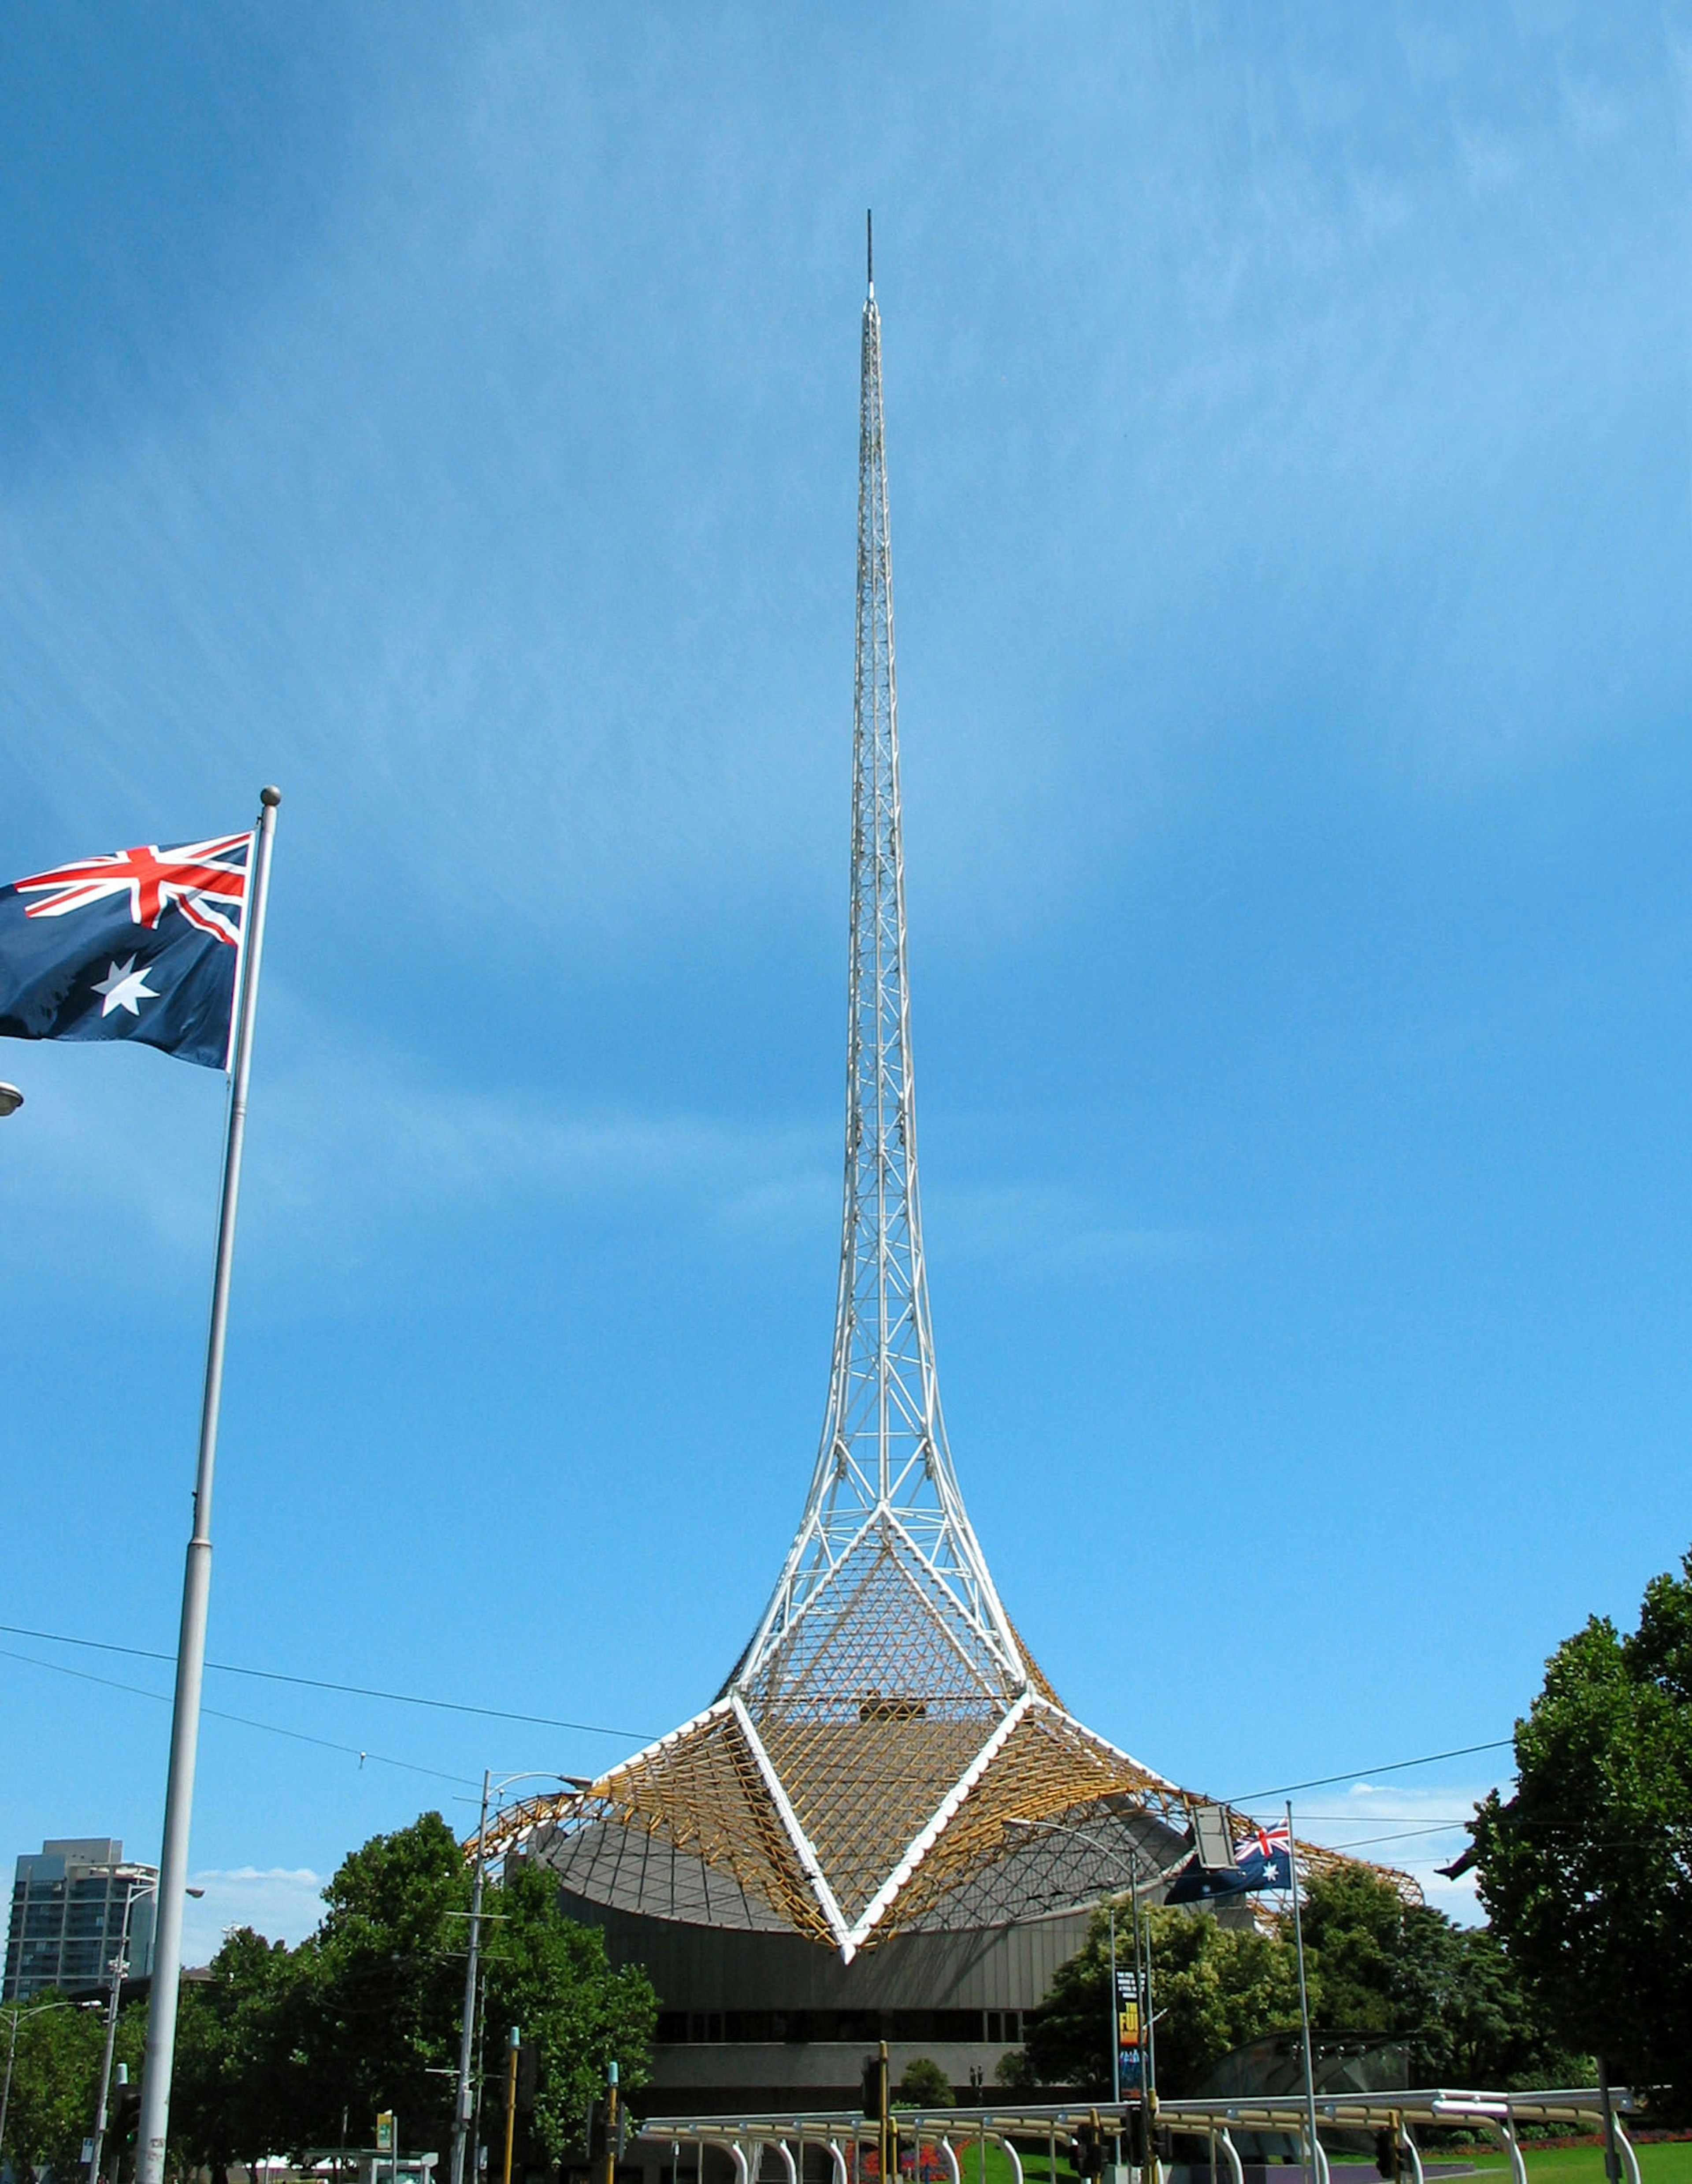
point(1415, 1829)
point(282, 1903)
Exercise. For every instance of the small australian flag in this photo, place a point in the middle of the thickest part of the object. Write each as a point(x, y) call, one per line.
point(143, 943)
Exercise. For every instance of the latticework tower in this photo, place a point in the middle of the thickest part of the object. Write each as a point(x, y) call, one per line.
point(855, 1776)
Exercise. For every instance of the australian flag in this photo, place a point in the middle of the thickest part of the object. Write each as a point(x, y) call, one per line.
point(143, 943)
point(1262, 1859)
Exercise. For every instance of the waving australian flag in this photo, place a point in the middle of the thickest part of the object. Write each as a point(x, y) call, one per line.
point(143, 943)
point(1262, 1859)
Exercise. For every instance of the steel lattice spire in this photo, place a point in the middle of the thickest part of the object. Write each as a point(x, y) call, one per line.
point(885, 1577)
point(868, 1765)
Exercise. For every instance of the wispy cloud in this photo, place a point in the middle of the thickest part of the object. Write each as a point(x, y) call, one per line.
point(283, 1903)
point(349, 1146)
point(1416, 1830)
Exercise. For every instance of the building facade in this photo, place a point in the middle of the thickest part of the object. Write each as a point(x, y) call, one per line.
point(70, 1900)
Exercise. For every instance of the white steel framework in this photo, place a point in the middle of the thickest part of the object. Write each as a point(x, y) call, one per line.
point(884, 1552)
point(854, 1776)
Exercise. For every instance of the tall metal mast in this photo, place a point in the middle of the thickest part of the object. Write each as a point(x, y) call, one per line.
point(867, 1767)
point(883, 1488)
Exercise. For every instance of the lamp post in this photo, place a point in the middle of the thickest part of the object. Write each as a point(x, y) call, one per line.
point(119, 1967)
point(11, 1099)
point(462, 2104)
point(1111, 1850)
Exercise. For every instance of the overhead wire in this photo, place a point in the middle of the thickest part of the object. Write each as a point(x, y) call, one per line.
point(1358, 1774)
point(216, 1713)
point(599, 1728)
point(348, 1691)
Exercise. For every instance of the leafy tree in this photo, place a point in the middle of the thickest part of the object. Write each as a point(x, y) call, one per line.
point(925, 2085)
point(364, 2015)
point(55, 2079)
point(1401, 1969)
point(1216, 1985)
point(384, 1978)
point(1221, 1987)
point(551, 1978)
point(239, 2083)
point(1373, 1963)
point(1587, 1870)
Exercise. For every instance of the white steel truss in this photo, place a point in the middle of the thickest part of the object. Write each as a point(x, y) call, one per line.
point(885, 1600)
point(886, 1758)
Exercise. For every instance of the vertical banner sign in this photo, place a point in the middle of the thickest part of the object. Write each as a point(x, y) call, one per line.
point(1130, 2030)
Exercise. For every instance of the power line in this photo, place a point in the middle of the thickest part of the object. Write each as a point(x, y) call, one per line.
point(271, 1728)
point(319, 1684)
point(1357, 1774)
point(584, 1728)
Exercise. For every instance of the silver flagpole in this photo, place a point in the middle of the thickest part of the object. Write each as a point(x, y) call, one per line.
point(1304, 2001)
point(191, 1647)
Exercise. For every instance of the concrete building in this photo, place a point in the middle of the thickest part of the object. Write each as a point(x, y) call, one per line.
point(69, 1900)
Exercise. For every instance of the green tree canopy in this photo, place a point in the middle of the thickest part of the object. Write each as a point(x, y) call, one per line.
point(364, 2016)
point(925, 2085)
point(1374, 1963)
point(551, 1978)
point(239, 2084)
point(56, 2074)
point(1217, 1986)
point(1587, 1870)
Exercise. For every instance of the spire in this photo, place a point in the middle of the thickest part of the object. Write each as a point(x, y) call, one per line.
point(885, 1600)
point(885, 1757)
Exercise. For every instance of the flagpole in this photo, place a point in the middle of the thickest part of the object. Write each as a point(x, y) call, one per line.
point(1315, 2174)
point(191, 1647)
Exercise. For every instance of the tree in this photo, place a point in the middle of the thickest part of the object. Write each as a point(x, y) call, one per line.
point(1587, 1870)
point(552, 1978)
point(239, 2083)
point(1221, 1987)
point(55, 2079)
point(1217, 1986)
point(925, 2085)
point(1374, 1963)
point(1387, 1966)
point(385, 1986)
point(364, 2015)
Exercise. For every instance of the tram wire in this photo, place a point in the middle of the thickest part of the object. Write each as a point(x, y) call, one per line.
point(597, 1729)
point(216, 1713)
point(348, 1691)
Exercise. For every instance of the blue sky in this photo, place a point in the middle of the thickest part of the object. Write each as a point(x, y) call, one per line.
point(451, 416)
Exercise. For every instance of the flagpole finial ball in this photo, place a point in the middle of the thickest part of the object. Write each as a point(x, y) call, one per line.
point(11, 1099)
point(270, 797)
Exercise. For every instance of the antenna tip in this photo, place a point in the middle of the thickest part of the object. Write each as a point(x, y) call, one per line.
point(870, 249)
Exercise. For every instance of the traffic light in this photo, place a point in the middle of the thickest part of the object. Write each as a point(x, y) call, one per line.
point(621, 2135)
point(1137, 2137)
point(595, 2133)
point(125, 2109)
point(872, 2087)
point(528, 2072)
point(1089, 2150)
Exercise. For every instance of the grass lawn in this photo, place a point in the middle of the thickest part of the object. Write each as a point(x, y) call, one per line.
point(1669, 2164)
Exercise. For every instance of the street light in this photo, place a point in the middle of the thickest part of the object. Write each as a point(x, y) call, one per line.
point(119, 1966)
point(1111, 1850)
point(462, 2105)
point(11, 1099)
